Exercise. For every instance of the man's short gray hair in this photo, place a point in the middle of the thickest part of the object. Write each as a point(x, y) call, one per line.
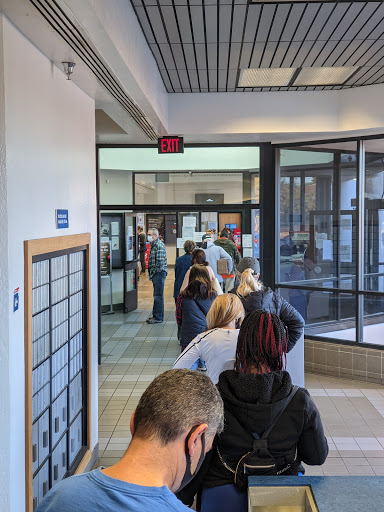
point(154, 231)
point(176, 401)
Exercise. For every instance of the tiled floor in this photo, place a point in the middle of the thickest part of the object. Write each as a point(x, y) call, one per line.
point(133, 353)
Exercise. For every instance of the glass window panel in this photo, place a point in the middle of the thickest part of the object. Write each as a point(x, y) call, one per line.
point(374, 216)
point(191, 188)
point(317, 216)
point(373, 322)
point(189, 178)
point(327, 314)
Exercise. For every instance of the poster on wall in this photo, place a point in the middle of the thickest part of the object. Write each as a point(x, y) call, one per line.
point(104, 230)
point(115, 230)
point(188, 232)
point(140, 219)
point(115, 243)
point(189, 222)
point(105, 257)
point(345, 244)
point(156, 221)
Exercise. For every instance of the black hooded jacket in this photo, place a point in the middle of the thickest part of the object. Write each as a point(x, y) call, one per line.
point(268, 300)
point(251, 402)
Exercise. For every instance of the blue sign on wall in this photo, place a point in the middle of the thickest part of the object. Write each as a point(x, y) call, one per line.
point(62, 219)
point(16, 300)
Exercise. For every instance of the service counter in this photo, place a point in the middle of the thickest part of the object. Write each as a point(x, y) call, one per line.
point(316, 494)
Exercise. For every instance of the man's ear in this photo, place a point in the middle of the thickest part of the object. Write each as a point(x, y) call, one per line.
point(194, 439)
point(132, 423)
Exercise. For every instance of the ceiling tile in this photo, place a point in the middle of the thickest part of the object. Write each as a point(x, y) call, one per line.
point(293, 19)
point(223, 55)
point(201, 56)
point(268, 53)
point(184, 24)
point(211, 23)
point(238, 22)
point(198, 24)
point(234, 55)
point(225, 23)
point(212, 56)
point(279, 22)
point(157, 25)
point(267, 16)
point(251, 23)
point(171, 24)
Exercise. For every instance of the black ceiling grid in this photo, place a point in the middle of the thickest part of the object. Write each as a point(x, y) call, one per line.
point(304, 10)
point(218, 38)
point(369, 69)
point(60, 23)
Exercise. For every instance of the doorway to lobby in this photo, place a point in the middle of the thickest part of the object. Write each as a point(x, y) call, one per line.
point(175, 224)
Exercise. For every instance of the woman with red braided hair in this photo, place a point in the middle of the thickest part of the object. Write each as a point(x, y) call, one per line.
point(258, 394)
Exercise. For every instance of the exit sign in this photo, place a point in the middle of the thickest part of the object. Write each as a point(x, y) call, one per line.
point(168, 145)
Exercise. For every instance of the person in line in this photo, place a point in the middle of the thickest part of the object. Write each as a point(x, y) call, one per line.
point(217, 346)
point(193, 305)
point(172, 429)
point(213, 253)
point(230, 247)
point(142, 248)
point(254, 295)
point(157, 269)
point(198, 258)
point(254, 394)
point(182, 265)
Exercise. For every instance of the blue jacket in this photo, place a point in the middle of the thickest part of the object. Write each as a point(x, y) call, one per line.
point(181, 267)
point(193, 318)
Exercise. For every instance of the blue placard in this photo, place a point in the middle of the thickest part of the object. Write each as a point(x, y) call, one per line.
point(16, 300)
point(62, 219)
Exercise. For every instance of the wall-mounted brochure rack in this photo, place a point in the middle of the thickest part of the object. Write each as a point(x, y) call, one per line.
point(57, 370)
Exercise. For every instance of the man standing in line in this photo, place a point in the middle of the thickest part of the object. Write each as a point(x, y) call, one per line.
point(173, 428)
point(142, 248)
point(231, 249)
point(157, 269)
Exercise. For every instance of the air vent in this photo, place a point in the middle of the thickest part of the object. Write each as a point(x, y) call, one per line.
point(60, 22)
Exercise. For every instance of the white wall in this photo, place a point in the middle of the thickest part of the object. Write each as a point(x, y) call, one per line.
point(5, 297)
point(278, 112)
point(50, 137)
point(274, 112)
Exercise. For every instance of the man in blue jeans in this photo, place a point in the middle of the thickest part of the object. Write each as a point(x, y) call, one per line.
point(157, 269)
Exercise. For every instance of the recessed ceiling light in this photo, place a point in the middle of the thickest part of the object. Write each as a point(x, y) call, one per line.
point(323, 76)
point(266, 77)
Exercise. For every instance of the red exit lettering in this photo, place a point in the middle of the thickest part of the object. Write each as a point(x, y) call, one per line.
point(170, 145)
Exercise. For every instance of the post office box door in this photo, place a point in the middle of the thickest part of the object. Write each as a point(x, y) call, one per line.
point(35, 446)
point(75, 438)
point(43, 436)
point(59, 417)
point(59, 461)
point(35, 492)
point(43, 481)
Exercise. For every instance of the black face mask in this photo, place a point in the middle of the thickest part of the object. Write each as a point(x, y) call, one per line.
point(204, 245)
point(188, 475)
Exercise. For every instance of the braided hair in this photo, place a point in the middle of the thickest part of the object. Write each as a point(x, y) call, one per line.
point(262, 343)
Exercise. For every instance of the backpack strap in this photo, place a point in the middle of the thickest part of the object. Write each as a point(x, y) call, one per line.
point(268, 431)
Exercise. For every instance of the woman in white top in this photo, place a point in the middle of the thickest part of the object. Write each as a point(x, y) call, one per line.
point(217, 346)
point(198, 258)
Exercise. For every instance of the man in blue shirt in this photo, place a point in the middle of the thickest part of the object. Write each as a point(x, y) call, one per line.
point(157, 269)
point(172, 428)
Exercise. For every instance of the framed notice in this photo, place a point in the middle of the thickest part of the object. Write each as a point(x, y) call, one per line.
point(158, 222)
point(105, 258)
